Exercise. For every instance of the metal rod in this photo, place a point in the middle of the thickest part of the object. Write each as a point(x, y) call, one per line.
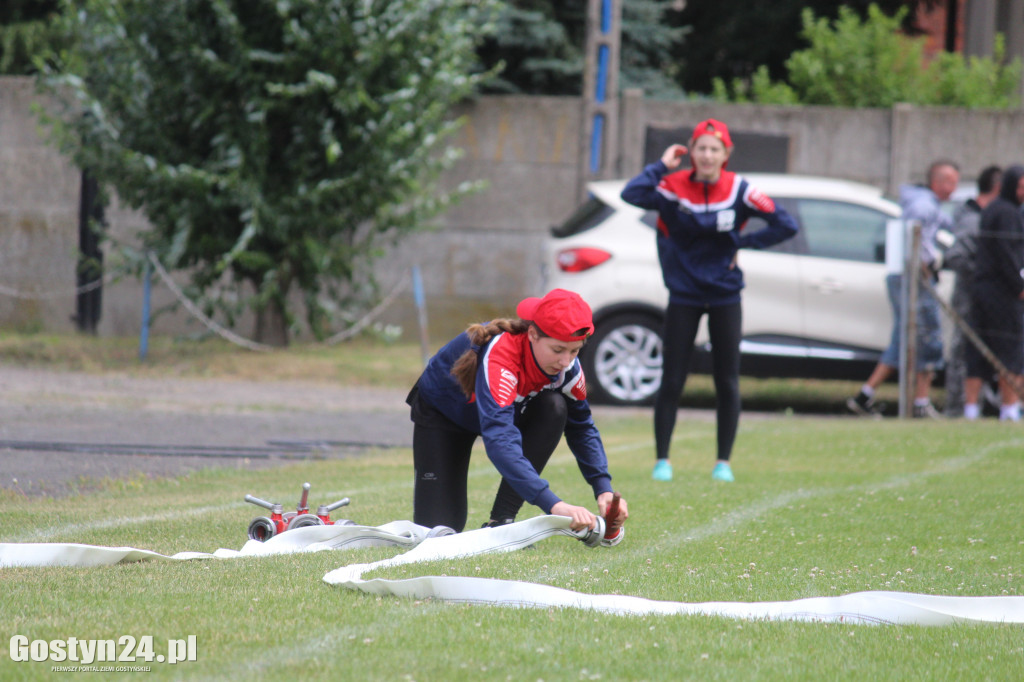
point(259, 503)
point(340, 503)
point(147, 290)
point(421, 310)
point(908, 337)
point(973, 337)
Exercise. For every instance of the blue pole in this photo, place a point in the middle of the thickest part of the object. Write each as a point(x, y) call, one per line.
point(600, 90)
point(596, 140)
point(606, 16)
point(603, 54)
point(147, 279)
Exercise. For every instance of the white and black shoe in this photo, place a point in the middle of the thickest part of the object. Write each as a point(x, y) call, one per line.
point(863, 405)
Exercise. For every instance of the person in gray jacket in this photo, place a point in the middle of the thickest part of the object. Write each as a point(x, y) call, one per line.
point(922, 204)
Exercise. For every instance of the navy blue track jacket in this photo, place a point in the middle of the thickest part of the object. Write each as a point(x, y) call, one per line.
point(507, 377)
point(700, 229)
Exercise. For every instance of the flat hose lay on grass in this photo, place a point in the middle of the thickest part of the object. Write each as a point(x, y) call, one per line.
point(425, 544)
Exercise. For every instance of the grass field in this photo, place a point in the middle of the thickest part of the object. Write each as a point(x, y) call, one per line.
point(821, 506)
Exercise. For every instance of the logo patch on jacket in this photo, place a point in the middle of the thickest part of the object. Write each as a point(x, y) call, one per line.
point(726, 220)
point(505, 394)
point(579, 389)
point(760, 201)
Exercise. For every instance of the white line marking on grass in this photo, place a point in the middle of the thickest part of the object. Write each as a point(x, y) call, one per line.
point(45, 534)
point(752, 511)
point(298, 651)
point(736, 517)
point(49, 533)
point(745, 514)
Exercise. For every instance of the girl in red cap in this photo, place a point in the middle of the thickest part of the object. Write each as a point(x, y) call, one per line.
point(519, 385)
point(701, 214)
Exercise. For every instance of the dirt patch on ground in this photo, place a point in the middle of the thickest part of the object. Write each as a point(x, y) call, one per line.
point(59, 431)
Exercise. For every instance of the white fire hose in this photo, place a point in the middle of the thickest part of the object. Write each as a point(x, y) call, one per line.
point(425, 544)
point(306, 539)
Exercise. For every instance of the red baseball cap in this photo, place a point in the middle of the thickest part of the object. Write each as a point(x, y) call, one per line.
point(713, 128)
point(561, 314)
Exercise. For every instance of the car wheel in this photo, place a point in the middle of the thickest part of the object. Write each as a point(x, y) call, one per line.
point(622, 361)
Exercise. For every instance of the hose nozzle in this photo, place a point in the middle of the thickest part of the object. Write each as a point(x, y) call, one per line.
point(262, 529)
point(614, 531)
point(591, 537)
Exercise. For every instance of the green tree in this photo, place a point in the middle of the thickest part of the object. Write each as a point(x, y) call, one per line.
point(648, 40)
point(540, 46)
point(975, 81)
point(24, 32)
point(272, 144)
point(871, 63)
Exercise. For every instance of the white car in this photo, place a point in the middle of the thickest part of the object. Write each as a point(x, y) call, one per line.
point(813, 306)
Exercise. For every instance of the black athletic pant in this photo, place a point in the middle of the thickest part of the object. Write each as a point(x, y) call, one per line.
point(725, 330)
point(441, 452)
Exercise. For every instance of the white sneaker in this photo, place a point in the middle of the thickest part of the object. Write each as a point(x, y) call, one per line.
point(926, 411)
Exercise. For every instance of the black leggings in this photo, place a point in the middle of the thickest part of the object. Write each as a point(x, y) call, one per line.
point(725, 330)
point(441, 456)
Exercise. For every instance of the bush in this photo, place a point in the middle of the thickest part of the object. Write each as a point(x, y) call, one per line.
point(872, 64)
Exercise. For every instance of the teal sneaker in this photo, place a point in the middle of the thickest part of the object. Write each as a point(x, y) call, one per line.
point(723, 472)
point(662, 470)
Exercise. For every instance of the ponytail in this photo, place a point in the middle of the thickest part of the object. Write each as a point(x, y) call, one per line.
point(464, 369)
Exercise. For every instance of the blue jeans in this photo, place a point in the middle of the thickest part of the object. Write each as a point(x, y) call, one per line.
point(929, 330)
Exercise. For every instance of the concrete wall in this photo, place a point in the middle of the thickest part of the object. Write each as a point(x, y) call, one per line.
point(483, 255)
point(38, 234)
point(881, 147)
point(39, 205)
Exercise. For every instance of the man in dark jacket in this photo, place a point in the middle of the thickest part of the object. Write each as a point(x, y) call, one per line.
point(997, 292)
point(960, 259)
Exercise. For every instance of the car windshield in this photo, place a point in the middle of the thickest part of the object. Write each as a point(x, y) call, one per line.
point(588, 215)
